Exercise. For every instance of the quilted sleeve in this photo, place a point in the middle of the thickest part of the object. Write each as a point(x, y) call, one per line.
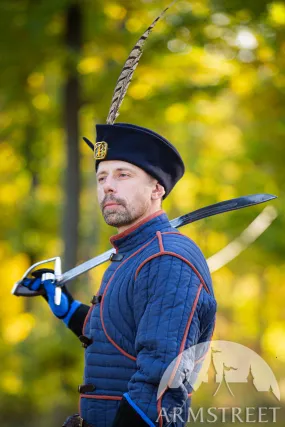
point(169, 306)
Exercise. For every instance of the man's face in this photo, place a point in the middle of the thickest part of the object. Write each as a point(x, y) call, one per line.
point(124, 192)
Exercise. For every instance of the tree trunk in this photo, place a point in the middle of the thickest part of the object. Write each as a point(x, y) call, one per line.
point(71, 109)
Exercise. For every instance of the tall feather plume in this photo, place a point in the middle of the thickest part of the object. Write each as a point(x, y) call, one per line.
point(128, 71)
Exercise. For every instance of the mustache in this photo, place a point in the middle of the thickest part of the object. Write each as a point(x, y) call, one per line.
point(109, 198)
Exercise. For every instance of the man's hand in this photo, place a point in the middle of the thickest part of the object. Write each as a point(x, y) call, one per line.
point(45, 279)
point(75, 421)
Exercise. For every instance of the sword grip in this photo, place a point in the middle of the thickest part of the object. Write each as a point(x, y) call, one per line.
point(22, 291)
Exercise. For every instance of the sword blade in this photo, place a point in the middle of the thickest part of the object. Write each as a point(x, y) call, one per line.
point(84, 267)
point(207, 211)
point(221, 207)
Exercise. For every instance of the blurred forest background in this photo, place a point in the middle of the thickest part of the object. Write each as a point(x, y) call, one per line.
point(212, 81)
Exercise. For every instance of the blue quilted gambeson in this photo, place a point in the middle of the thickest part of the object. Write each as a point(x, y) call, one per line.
point(153, 303)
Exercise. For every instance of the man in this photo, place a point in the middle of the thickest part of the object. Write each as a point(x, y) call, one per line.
point(156, 298)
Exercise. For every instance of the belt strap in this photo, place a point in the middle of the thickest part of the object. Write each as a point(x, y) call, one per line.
point(86, 388)
point(86, 341)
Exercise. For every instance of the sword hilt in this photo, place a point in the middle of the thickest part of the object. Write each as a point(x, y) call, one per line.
point(22, 291)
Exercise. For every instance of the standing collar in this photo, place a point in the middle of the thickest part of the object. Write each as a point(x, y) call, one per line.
point(140, 232)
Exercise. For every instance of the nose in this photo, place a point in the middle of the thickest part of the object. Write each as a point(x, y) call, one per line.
point(109, 185)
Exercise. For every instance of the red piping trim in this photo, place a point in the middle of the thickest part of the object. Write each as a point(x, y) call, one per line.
point(182, 346)
point(135, 226)
point(159, 412)
point(206, 352)
point(100, 397)
point(103, 298)
point(146, 261)
point(161, 248)
point(177, 256)
point(190, 318)
point(180, 353)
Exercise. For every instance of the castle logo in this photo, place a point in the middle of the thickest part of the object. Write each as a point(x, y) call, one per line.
point(232, 363)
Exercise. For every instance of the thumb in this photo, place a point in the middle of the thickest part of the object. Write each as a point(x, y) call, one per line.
point(58, 310)
point(49, 287)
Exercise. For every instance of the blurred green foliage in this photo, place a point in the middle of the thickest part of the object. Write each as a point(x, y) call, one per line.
point(212, 81)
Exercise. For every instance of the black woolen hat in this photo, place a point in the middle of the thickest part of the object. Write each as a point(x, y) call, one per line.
point(142, 147)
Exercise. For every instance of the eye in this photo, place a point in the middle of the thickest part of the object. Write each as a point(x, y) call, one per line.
point(101, 179)
point(123, 175)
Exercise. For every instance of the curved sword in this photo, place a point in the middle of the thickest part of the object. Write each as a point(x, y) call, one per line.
point(207, 211)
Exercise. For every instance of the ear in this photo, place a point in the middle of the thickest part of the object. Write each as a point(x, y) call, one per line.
point(158, 192)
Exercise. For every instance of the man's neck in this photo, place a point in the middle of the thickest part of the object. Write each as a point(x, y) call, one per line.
point(138, 220)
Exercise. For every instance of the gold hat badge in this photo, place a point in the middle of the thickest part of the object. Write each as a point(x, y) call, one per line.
point(100, 150)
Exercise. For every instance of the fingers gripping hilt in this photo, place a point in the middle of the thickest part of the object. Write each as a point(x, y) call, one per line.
point(20, 290)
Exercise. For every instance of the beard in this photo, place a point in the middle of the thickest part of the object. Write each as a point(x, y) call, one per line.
point(122, 215)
